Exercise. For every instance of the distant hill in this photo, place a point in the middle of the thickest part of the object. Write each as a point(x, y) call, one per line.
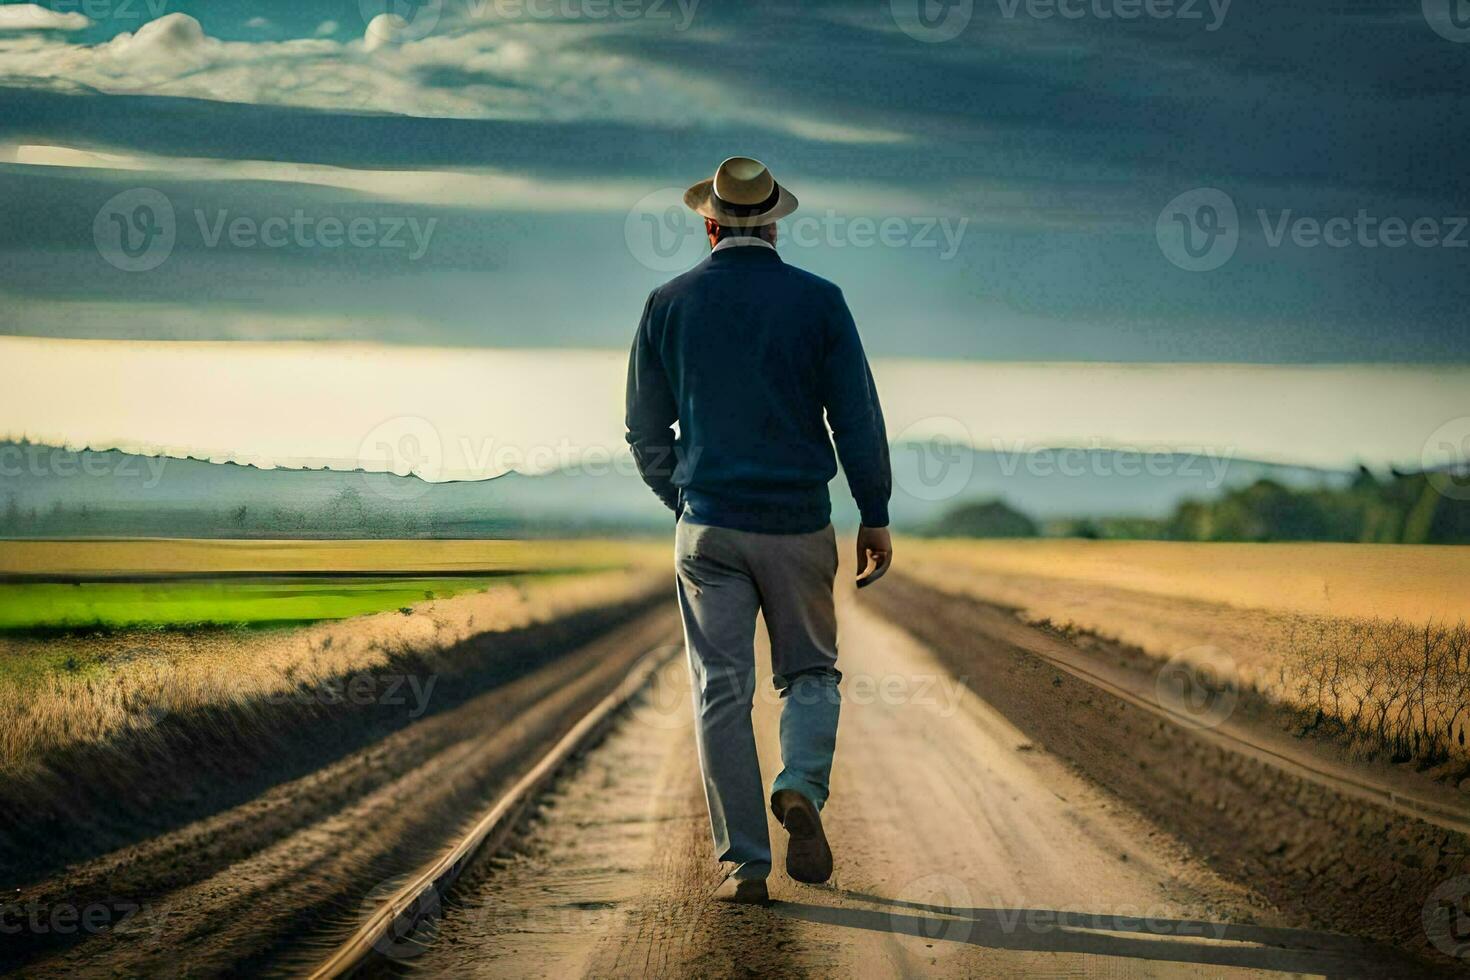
point(49, 492)
point(46, 491)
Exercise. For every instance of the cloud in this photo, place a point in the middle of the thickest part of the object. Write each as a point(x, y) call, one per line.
point(258, 22)
point(165, 321)
point(1059, 139)
point(480, 188)
point(506, 70)
point(169, 36)
point(32, 17)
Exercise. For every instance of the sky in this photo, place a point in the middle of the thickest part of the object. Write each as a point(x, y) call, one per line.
point(1022, 166)
point(458, 414)
point(1012, 181)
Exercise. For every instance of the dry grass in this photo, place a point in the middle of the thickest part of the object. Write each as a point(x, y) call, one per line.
point(154, 675)
point(1367, 642)
point(1391, 686)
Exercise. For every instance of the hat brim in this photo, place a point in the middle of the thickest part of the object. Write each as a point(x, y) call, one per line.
point(701, 199)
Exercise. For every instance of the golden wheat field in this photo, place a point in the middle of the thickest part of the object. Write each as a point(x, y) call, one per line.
point(1410, 582)
point(1372, 636)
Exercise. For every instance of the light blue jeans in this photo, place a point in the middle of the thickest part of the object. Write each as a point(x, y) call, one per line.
point(724, 578)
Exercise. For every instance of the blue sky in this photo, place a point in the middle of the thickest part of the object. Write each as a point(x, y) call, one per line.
point(1021, 171)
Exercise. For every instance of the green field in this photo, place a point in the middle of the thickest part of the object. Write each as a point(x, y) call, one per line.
point(31, 607)
point(51, 587)
point(99, 639)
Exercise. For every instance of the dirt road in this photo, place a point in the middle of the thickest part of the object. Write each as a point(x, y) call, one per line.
point(962, 850)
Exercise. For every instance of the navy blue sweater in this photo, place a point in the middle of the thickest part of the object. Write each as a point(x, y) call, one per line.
point(745, 353)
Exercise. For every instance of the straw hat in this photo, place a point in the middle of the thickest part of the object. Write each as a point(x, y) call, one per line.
point(742, 194)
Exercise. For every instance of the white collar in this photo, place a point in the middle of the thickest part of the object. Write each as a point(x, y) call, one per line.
point(740, 240)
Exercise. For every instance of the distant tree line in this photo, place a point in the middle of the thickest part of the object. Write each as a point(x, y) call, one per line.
point(347, 514)
point(1404, 508)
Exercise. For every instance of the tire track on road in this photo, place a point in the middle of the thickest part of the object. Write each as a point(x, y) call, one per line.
point(274, 905)
point(962, 849)
point(614, 877)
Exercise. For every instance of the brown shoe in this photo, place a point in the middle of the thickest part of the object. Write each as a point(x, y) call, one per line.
point(749, 891)
point(808, 858)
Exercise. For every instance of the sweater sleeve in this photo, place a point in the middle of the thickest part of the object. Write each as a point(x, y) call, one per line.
point(855, 416)
point(651, 414)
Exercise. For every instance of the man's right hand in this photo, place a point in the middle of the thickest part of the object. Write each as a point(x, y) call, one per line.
point(874, 554)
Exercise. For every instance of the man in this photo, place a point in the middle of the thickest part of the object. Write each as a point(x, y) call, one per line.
point(745, 353)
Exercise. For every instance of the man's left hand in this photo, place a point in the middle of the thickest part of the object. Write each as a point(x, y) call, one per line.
point(874, 554)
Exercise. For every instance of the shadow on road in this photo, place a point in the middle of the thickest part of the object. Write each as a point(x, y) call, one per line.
point(1134, 937)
